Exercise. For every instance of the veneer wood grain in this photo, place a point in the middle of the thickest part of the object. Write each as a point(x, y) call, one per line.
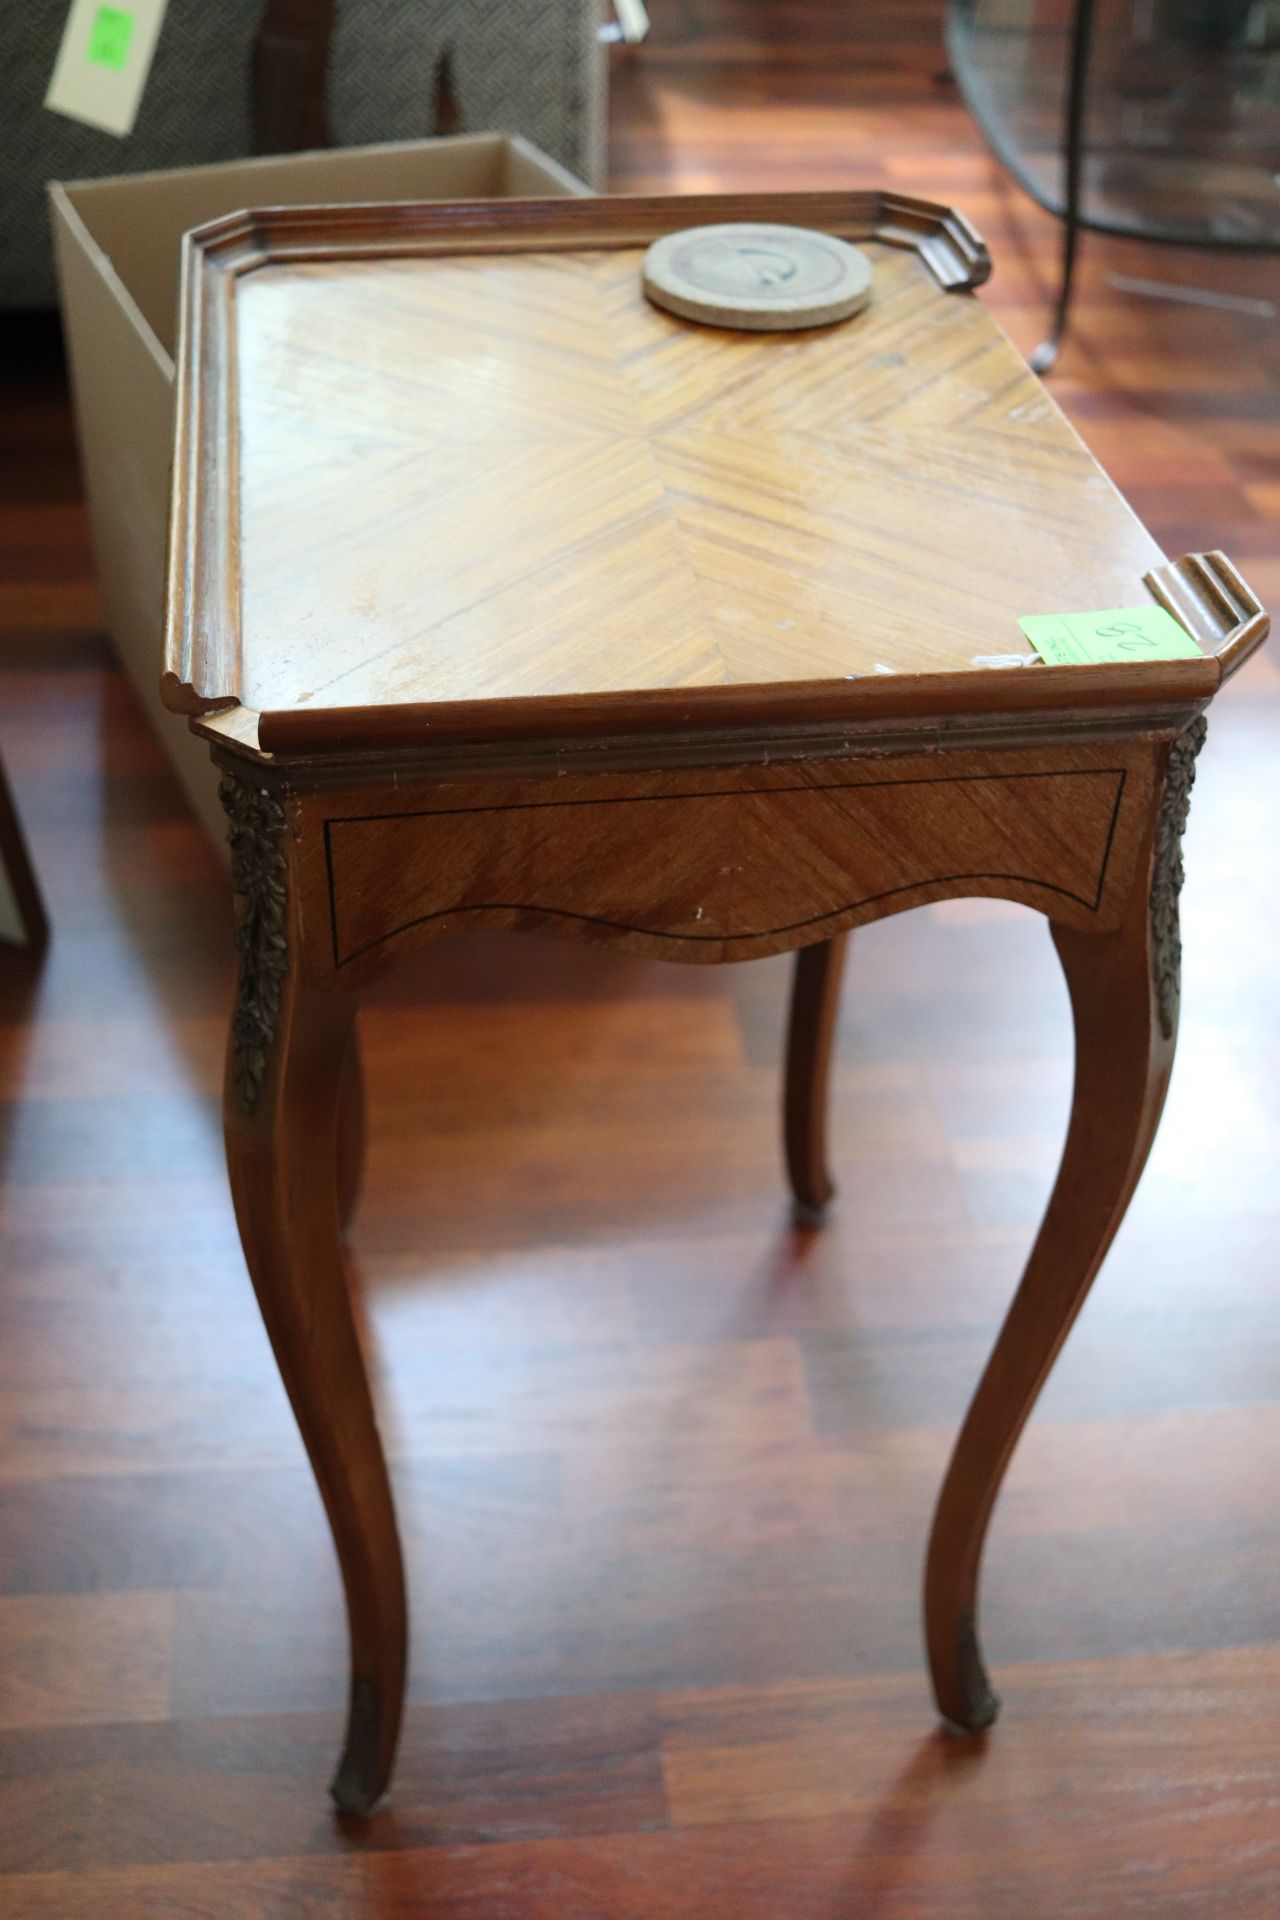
point(861, 845)
point(740, 514)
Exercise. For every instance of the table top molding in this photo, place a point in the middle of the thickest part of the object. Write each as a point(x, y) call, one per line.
point(232, 733)
point(238, 243)
point(696, 715)
point(1215, 604)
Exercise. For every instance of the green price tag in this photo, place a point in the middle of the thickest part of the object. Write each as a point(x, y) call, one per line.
point(1121, 633)
point(109, 38)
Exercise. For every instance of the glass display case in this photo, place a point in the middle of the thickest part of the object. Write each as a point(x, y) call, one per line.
point(1154, 118)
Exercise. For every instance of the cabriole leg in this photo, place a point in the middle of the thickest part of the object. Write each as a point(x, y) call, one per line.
point(811, 1031)
point(285, 1064)
point(1124, 989)
point(351, 1131)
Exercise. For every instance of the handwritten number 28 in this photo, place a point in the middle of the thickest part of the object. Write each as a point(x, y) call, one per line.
point(1127, 634)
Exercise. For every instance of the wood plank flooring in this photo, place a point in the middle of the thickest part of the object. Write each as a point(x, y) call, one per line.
point(665, 1465)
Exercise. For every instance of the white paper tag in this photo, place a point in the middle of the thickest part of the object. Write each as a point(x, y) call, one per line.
point(633, 18)
point(104, 60)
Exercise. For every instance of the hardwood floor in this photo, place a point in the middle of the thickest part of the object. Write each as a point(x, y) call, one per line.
point(665, 1465)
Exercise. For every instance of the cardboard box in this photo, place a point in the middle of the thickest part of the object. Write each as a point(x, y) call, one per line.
point(117, 244)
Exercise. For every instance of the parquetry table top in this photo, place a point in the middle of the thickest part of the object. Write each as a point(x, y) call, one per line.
point(442, 471)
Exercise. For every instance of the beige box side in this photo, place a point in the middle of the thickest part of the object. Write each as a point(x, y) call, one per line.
point(122, 382)
point(117, 245)
point(138, 221)
point(525, 172)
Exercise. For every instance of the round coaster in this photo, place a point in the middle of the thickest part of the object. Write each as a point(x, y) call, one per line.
point(765, 278)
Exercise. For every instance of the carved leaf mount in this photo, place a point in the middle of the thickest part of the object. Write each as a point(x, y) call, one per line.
point(1167, 871)
point(258, 876)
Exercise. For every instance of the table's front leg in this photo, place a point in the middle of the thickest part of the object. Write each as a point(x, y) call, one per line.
point(351, 1131)
point(1124, 997)
point(288, 1048)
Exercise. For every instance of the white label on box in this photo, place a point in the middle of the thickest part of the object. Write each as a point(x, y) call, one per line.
point(103, 62)
point(633, 18)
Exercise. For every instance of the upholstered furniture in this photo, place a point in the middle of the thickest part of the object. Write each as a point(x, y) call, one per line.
point(269, 76)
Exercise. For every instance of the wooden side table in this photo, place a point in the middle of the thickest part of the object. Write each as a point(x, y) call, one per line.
point(505, 599)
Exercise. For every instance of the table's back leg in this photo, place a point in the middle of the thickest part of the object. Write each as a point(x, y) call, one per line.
point(18, 879)
point(811, 1031)
point(1124, 1051)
